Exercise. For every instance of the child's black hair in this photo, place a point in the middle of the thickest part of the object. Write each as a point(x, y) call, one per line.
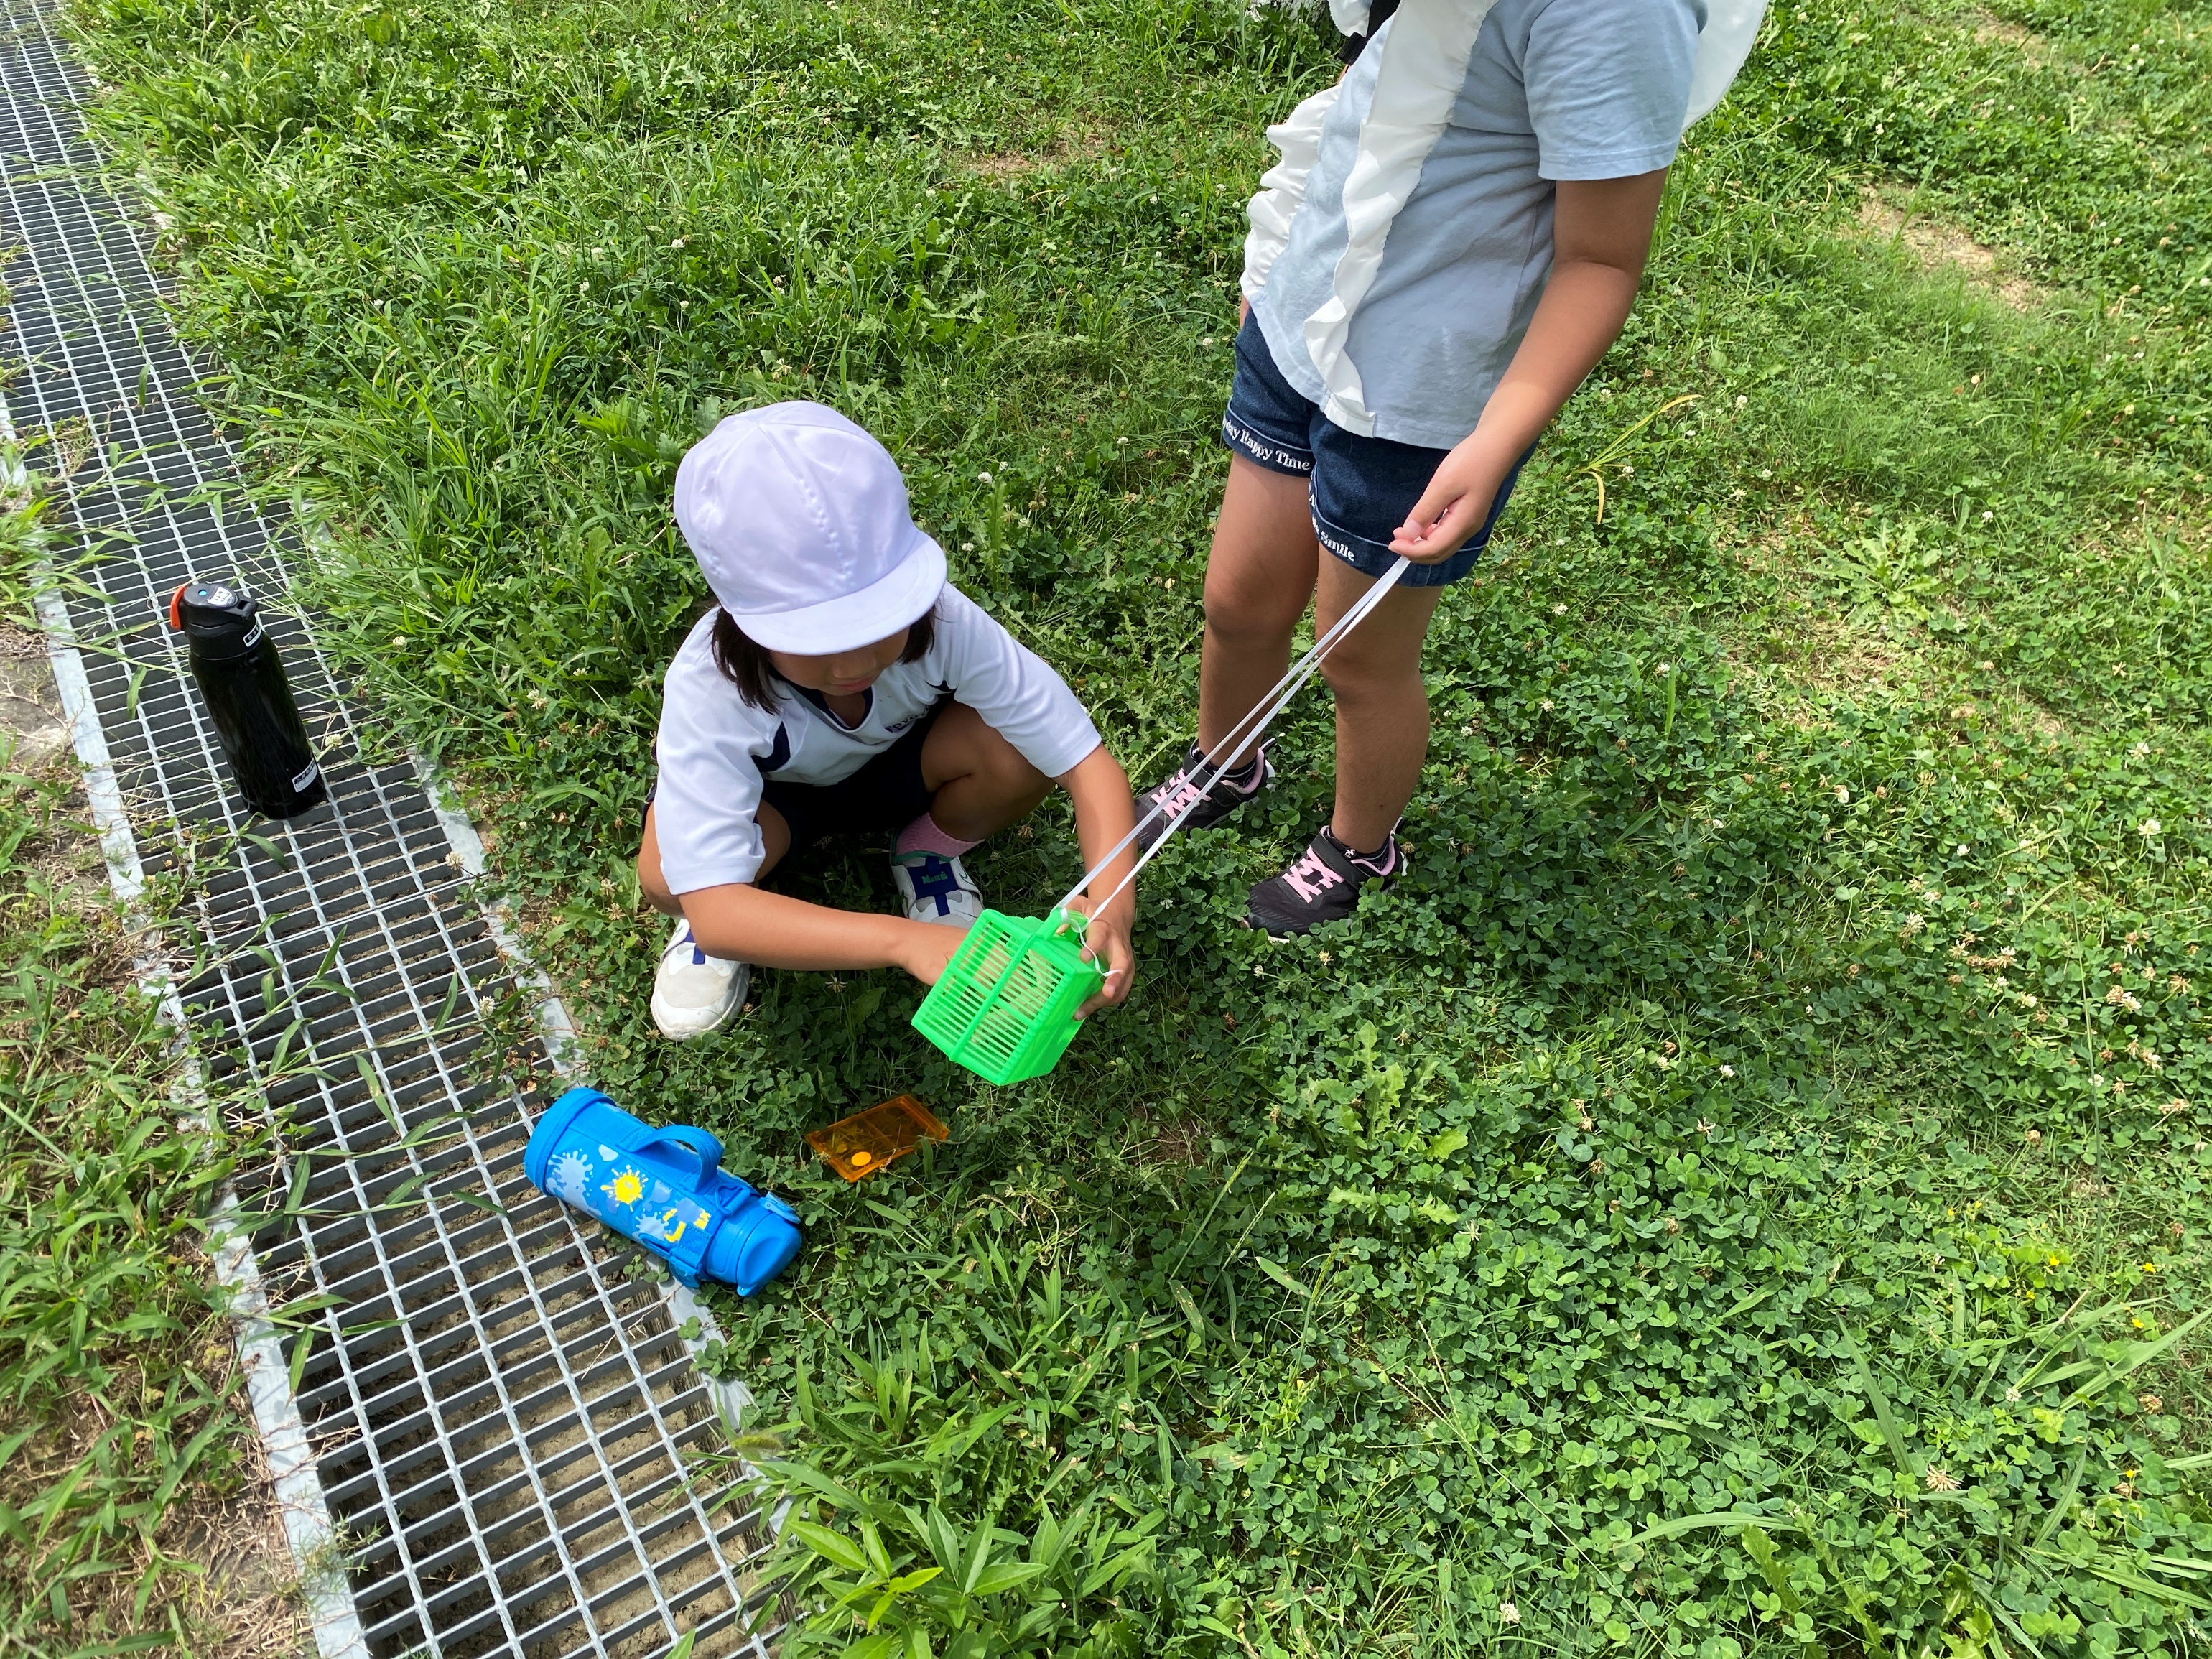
point(745, 664)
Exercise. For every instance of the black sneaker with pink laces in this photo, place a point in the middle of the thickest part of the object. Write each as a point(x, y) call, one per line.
point(1230, 791)
point(1322, 886)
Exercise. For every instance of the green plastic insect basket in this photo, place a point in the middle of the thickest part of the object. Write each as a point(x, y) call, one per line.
point(1005, 1006)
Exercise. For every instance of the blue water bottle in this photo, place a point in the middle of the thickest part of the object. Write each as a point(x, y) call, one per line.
point(666, 1189)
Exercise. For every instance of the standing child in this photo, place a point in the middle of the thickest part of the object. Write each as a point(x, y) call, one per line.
point(1452, 240)
point(841, 684)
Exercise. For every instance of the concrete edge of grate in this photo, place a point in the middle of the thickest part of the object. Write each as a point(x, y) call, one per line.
point(554, 1027)
point(290, 1453)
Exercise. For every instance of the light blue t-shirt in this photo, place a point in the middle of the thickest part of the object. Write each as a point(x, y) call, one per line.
point(1399, 251)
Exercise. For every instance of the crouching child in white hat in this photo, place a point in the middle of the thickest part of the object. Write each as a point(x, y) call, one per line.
point(841, 684)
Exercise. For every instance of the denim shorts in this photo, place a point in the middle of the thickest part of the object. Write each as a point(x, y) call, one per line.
point(1363, 488)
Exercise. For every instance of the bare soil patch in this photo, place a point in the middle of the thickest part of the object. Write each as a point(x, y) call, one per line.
point(30, 705)
point(1937, 245)
point(1158, 1140)
point(1066, 149)
point(249, 1600)
point(2033, 48)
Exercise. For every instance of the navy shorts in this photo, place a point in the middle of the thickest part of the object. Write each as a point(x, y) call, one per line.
point(886, 793)
point(1363, 488)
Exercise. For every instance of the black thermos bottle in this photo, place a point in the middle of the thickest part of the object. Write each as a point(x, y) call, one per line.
point(242, 677)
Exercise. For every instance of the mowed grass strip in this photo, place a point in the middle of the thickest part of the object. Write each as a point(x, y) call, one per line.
point(1744, 1191)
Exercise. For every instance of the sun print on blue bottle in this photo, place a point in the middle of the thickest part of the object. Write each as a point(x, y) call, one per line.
point(626, 1189)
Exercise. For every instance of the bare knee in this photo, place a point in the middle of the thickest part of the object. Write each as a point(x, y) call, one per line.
point(964, 750)
point(1004, 773)
point(1362, 677)
point(1244, 614)
point(651, 885)
point(654, 890)
point(1260, 573)
point(1019, 776)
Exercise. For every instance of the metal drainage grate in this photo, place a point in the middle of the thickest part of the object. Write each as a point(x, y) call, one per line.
point(502, 1420)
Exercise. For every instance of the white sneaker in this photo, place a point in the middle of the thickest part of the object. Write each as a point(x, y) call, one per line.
point(934, 888)
point(695, 994)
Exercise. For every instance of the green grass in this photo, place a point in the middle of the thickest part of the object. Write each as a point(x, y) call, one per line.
point(122, 1432)
point(1743, 1193)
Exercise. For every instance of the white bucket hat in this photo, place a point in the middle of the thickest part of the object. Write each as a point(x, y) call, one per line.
point(799, 520)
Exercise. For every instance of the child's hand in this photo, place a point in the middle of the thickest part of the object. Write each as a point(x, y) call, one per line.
point(1453, 506)
point(927, 948)
point(1106, 941)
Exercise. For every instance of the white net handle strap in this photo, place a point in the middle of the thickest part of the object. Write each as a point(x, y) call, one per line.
point(1254, 723)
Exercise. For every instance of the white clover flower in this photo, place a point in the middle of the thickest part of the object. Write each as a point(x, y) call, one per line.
point(2150, 827)
point(982, 478)
point(1727, 1071)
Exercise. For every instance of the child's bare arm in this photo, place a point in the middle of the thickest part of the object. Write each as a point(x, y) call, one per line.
point(1600, 237)
point(740, 922)
point(1104, 812)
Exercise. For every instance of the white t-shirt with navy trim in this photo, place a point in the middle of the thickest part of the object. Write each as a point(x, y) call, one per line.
point(1399, 251)
point(715, 750)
